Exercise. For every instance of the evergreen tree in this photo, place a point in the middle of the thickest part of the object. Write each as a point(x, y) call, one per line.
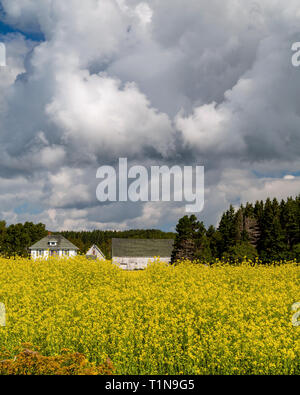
point(269, 229)
point(227, 229)
point(191, 241)
point(241, 250)
point(290, 222)
point(271, 245)
point(215, 243)
point(184, 245)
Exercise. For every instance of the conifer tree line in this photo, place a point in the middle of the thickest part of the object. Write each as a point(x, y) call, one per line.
point(268, 230)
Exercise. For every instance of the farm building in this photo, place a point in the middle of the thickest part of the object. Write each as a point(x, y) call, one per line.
point(95, 253)
point(53, 246)
point(135, 254)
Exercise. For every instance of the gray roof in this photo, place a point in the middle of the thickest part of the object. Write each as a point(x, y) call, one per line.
point(142, 248)
point(62, 244)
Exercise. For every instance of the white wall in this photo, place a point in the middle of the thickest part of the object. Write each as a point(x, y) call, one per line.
point(72, 253)
point(34, 254)
point(137, 263)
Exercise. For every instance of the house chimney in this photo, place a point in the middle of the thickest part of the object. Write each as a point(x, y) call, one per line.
point(49, 233)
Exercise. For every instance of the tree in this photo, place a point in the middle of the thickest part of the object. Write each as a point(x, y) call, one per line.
point(203, 253)
point(296, 252)
point(184, 245)
point(241, 250)
point(271, 245)
point(190, 242)
point(290, 222)
point(2, 236)
point(16, 241)
point(248, 229)
point(228, 230)
point(215, 242)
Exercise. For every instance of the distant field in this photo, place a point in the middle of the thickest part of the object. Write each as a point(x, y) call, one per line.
point(165, 320)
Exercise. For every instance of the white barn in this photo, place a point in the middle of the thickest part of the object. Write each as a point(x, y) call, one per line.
point(95, 253)
point(135, 254)
point(53, 246)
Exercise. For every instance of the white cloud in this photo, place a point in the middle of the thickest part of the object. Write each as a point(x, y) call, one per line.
point(156, 81)
point(289, 177)
point(97, 113)
point(144, 12)
point(208, 129)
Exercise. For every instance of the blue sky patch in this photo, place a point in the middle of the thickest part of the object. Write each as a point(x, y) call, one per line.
point(6, 29)
point(28, 208)
point(277, 174)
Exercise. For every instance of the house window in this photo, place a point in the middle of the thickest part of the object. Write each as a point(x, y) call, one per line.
point(40, 253)
point(66, 252)
point(52, 243)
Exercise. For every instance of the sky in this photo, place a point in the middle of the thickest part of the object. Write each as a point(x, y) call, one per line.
point(160, 82)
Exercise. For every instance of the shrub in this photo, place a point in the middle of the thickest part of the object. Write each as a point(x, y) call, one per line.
point(29, 362)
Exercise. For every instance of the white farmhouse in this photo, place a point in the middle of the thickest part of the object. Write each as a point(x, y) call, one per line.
point(53, 246)
point(95, 253)
point(135, 254)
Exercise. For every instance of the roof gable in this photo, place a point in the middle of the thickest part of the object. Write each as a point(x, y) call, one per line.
point(95, 247)
point(62, 244)
point(142, 247)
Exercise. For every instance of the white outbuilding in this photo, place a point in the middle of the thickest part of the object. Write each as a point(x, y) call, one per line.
point(136, 254)
point(95, 253)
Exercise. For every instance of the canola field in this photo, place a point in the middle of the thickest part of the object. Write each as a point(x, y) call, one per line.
point(187, 319)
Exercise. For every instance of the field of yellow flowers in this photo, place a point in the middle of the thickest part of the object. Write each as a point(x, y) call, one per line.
point(187, 319)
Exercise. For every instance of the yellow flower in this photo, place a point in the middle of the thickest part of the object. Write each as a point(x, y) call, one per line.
point(183, 319)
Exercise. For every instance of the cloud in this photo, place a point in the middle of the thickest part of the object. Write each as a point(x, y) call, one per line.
point(158, 82)
point(289, 177)
point(97, 113)
point(208, 130)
